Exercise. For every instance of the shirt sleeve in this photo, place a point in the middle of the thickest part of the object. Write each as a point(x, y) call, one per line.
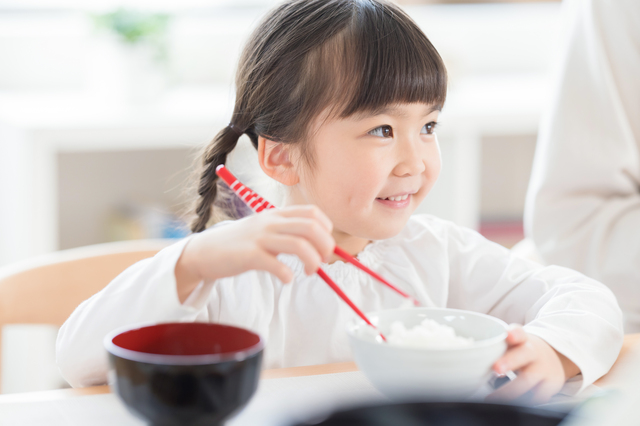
point(144, 293)
point(577, 316)
point(583, 204)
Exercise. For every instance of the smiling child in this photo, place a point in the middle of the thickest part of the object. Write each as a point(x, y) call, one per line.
point(341, 100)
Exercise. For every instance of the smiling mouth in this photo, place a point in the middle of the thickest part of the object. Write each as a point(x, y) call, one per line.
point(397, 198)
point(396, 202)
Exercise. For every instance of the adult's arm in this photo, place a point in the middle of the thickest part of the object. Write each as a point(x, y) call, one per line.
point(583, 205)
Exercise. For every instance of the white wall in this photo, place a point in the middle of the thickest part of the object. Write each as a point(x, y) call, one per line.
point(57, 51)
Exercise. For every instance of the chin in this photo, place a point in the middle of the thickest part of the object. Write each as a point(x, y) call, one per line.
point(383, 231)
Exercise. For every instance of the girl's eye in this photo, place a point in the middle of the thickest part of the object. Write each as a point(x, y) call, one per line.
point(382, 131)
point(429, 128)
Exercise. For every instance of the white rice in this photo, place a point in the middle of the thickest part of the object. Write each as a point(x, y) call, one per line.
point(429, 334)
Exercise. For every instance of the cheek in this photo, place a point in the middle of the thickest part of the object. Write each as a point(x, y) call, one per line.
point(371, 180)
point(433, 162)
point(433, 165)
point(354, 194)
point(353, 178)
point(337, 189)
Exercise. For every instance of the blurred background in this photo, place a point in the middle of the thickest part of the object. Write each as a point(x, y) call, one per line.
point(105, 105)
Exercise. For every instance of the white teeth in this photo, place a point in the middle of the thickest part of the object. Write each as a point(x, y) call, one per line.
point(398, 198)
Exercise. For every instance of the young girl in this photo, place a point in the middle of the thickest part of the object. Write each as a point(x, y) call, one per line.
point(341, 99)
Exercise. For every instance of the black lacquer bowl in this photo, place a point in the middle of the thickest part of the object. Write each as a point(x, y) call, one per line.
point(184, 373)
point(441, 414)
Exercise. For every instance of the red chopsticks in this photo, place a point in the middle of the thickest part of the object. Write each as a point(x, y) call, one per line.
point(257, 204)
point(354, 261)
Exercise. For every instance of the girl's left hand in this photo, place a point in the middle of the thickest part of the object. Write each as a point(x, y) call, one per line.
point(541, 370)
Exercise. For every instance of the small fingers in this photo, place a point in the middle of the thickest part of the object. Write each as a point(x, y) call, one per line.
point(269, 263)
point(525, 381)
point(276, 244)
point(516, 335)
point(311, 230)
point(309, 211)
point(516, 358)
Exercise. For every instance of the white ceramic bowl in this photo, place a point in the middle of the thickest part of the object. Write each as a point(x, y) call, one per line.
point(444, 374)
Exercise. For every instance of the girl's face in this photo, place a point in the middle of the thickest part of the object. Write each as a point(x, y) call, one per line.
point(371, 171)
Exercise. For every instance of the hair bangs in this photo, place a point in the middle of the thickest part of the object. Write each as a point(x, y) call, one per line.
point(382, 58)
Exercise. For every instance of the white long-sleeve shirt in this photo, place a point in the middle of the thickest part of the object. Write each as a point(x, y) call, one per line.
point(437, 262)
point(583, 204)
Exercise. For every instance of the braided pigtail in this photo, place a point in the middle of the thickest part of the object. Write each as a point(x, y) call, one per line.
point(214, 155)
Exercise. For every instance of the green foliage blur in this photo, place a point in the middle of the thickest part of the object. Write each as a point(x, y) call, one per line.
point(133, 26)
point(136, 28)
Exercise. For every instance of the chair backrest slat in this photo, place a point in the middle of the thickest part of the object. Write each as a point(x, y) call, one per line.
point(47, 289)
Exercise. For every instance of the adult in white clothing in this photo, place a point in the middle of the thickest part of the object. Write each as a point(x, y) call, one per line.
point(583, 204)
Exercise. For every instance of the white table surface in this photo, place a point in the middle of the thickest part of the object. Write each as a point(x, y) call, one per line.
point(278, 402)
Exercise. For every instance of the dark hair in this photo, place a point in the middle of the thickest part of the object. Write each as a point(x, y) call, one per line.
point(309, 56)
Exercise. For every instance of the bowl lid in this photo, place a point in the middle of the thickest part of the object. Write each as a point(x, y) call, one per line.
point(441, 414)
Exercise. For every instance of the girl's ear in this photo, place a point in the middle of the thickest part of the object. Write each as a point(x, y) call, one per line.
point(275, 161)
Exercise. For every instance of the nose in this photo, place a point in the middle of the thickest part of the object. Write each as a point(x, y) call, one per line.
point(410, 158)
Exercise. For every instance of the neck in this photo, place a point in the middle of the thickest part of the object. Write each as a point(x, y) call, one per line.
point(349, 243)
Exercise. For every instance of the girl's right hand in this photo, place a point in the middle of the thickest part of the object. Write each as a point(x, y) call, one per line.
point(253, 243)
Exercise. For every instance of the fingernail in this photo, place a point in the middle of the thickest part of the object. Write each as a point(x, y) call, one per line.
point(501, 367)
point(516, 331)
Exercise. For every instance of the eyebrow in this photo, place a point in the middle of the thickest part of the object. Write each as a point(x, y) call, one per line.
point(392, 110)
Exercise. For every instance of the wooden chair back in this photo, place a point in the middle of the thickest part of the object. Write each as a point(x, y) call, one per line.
point(47, 289)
